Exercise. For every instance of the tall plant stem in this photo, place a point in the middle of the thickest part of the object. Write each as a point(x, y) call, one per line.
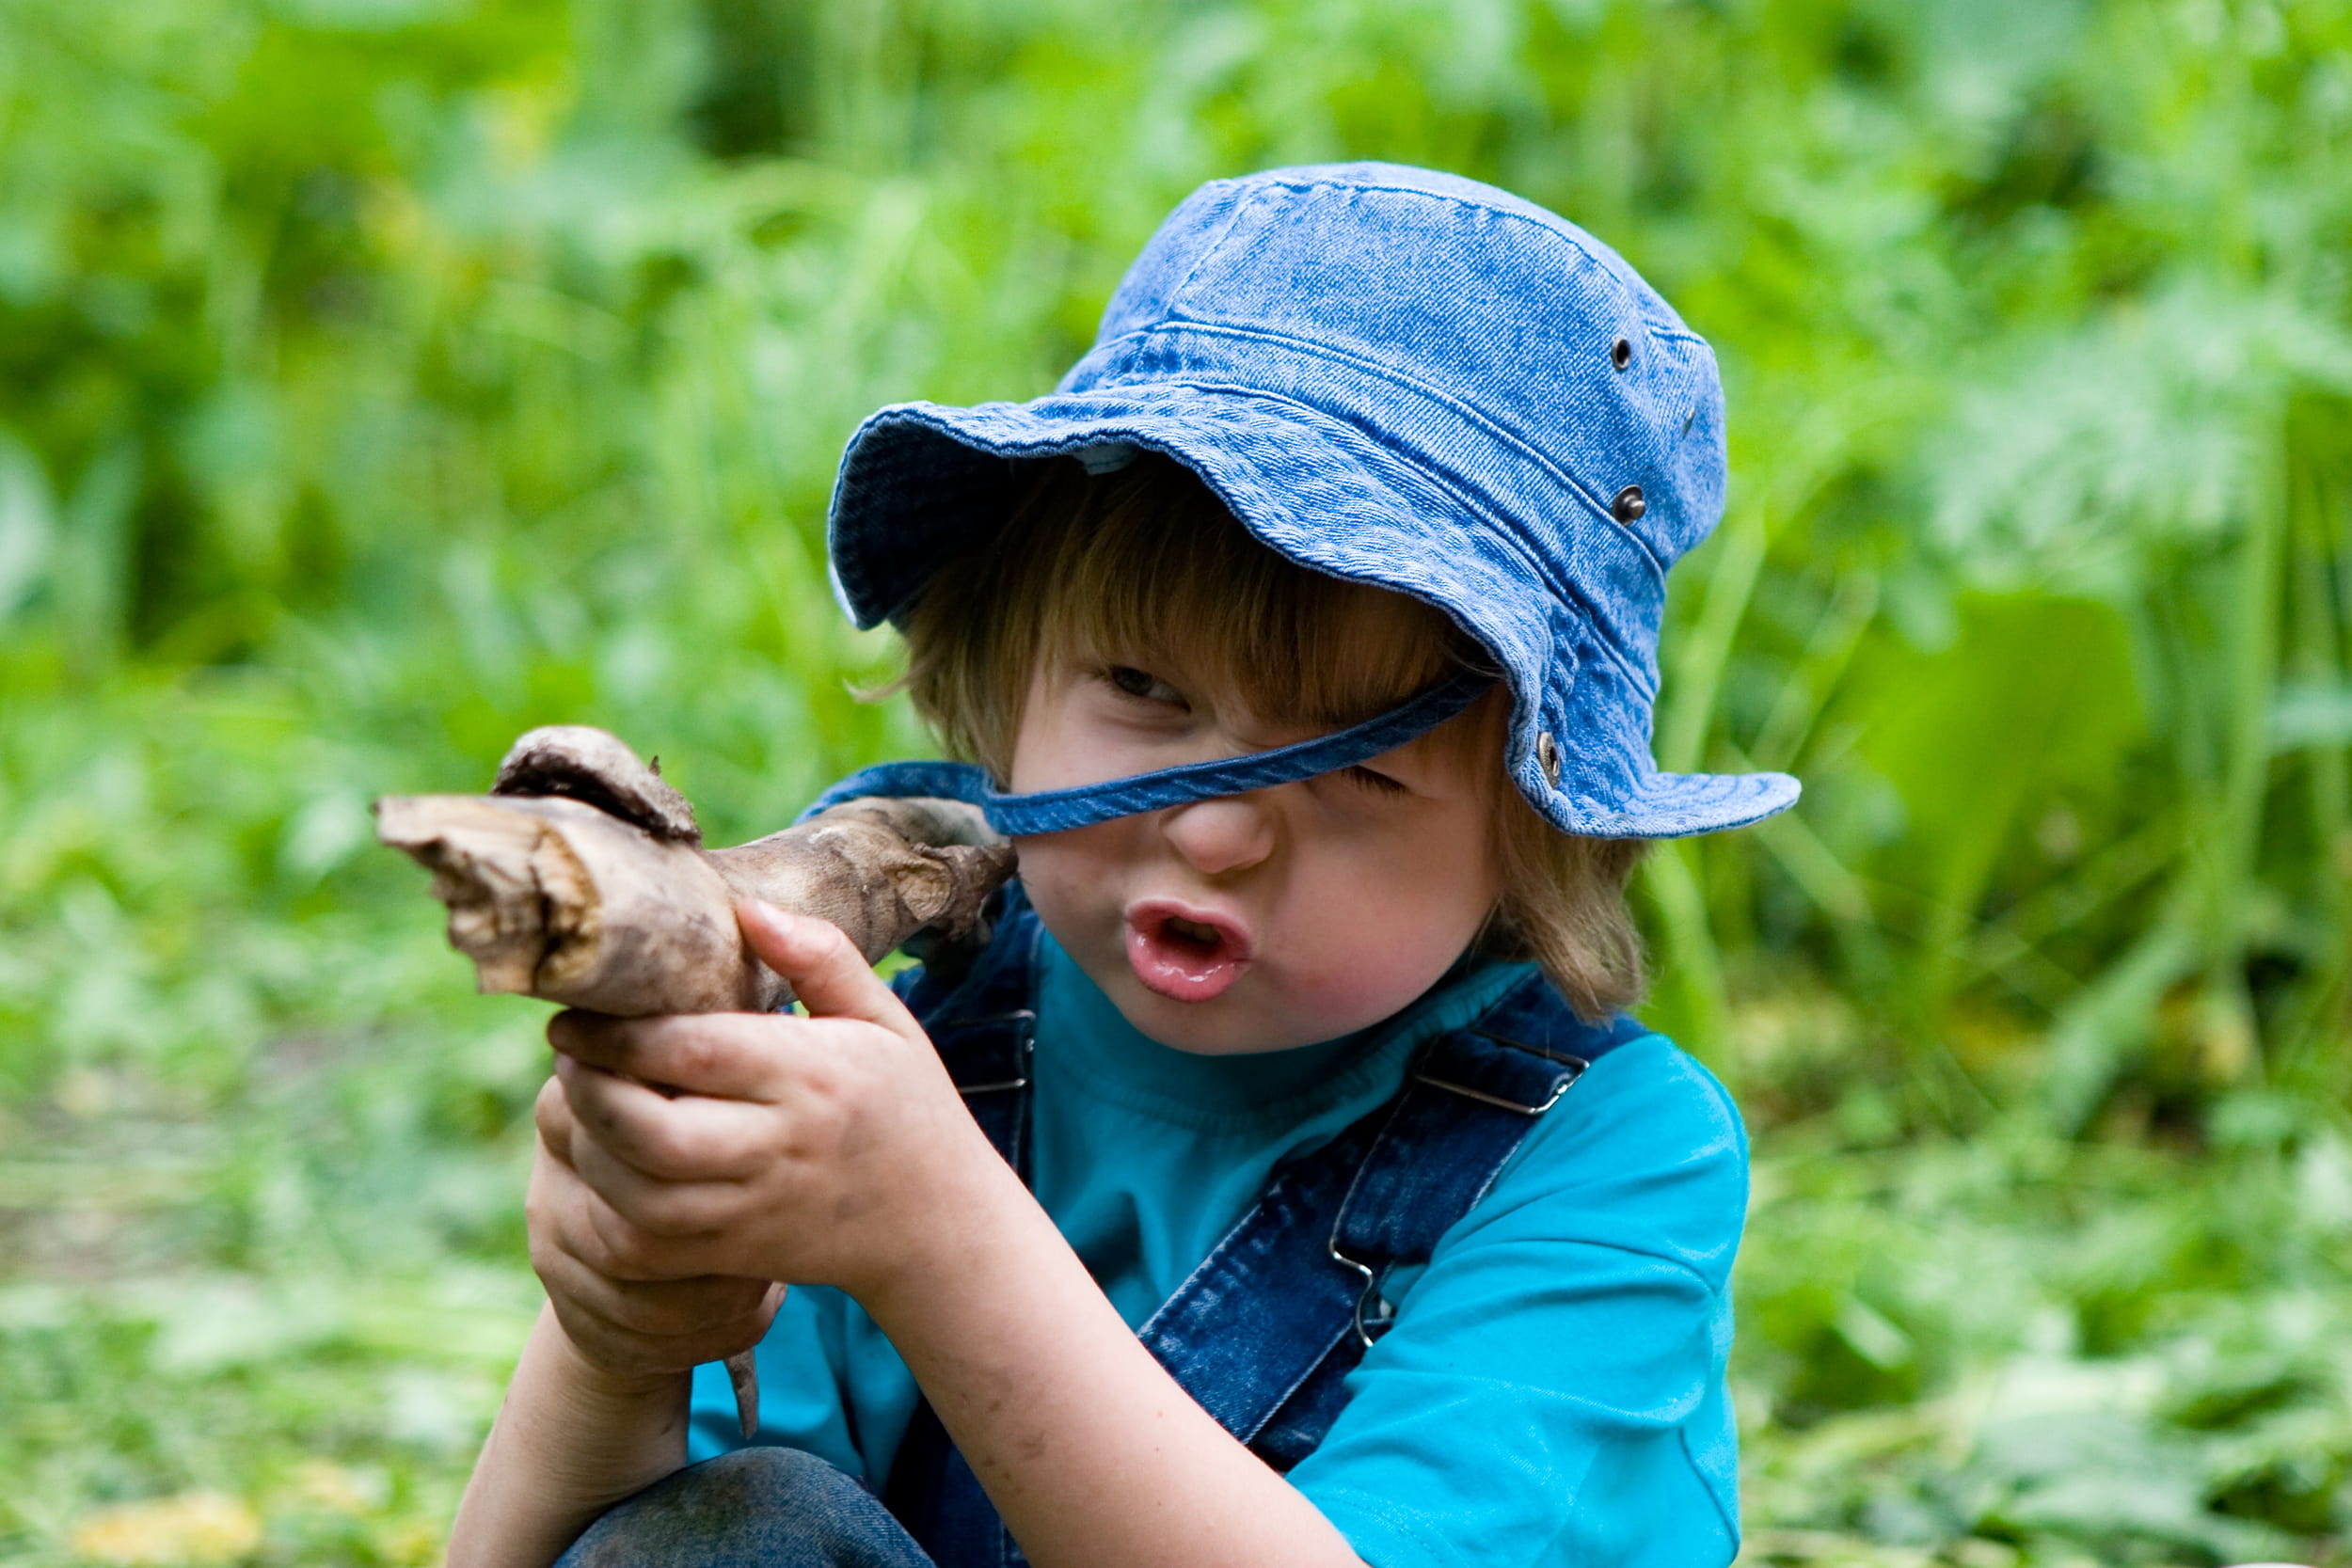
point(1694, 963)
point(2201, 923)
point(2306, 1030)
point(1698, 674)
point(2224, 860)
point(1697, 1011)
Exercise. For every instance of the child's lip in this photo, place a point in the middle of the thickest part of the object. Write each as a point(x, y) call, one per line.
point(1183, 952)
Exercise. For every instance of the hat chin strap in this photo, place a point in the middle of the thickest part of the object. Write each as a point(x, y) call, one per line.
point(1053, 811)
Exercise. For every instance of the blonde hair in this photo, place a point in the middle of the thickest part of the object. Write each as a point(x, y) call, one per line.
point(1148, 562)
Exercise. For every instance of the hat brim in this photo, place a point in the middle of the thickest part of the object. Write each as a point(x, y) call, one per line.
point(922, 483)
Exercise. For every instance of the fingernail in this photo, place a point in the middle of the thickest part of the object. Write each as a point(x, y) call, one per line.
point(784, 923)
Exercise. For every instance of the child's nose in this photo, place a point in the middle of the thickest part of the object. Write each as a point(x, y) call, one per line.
point(1219, 837)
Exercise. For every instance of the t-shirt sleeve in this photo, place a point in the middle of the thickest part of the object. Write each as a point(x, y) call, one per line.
point(1553, 1390)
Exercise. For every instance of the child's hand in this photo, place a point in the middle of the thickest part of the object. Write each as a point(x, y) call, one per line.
point(634, 1330)
point(832, 1148)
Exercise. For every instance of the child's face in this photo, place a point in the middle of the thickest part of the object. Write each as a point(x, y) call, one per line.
point(1261, 921)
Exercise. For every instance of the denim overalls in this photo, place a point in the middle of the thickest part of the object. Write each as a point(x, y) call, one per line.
point(1266, 1329)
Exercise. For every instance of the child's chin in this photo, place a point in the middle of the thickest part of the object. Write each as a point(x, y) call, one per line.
point(1227, 1026)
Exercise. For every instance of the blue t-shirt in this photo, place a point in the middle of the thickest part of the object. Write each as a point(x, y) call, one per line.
point(1553, 1390)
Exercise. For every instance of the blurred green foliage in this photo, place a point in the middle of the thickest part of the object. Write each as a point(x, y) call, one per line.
point(381, 377)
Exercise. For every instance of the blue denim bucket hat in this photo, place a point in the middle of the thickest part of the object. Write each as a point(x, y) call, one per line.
point(1392, 375)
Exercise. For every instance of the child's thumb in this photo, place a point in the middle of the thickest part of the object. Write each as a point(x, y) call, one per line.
point(825, 971)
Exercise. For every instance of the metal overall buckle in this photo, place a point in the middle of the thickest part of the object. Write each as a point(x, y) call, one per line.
point(1024, 1022)
point(1369, 1327)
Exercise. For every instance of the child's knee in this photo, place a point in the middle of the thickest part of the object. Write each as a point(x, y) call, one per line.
point(770, 1507)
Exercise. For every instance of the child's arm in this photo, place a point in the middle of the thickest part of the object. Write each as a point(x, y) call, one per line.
point(835, 1149)
point(596, 1408)
point(1090, 1449)
point(569, 1442)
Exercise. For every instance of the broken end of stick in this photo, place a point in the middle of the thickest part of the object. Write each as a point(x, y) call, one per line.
point(555, 898)
point(514, 888)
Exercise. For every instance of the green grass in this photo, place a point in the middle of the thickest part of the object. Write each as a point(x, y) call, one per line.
point(381, 377)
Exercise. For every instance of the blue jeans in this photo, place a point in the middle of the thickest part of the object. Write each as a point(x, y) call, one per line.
point(755, 1507)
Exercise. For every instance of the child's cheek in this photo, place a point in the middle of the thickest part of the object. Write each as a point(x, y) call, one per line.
point(1365, 956)
point(1355, 994)
point(1377, 927)
point(1069, 880)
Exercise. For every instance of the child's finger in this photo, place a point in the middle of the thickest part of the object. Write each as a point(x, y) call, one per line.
point(612, 1324)
point(725, 1055)
point(609, 1242)
point(552, 1113)
point(663, 1211)
point(825, 970)
point(661, 1308)
point(675, 1138)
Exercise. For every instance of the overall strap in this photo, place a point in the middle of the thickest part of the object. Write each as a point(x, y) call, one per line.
point(984, 1026)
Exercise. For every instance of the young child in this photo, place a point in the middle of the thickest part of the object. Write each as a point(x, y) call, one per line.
point(1282, 1183)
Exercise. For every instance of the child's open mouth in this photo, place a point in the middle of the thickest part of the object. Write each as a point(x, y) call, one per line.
point(1185, 954)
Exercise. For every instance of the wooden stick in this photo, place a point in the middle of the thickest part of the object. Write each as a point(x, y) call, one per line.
point(582, 879)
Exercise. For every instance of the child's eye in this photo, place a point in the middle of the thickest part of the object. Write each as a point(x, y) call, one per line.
point(1379, 784)
point(1143, 684)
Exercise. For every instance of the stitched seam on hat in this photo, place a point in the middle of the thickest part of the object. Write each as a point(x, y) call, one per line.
point(1607, 644)
point(1517, 545)
point(1209, 251)
point(1638, 290)
point(1658, 568)
point(1129, 345)
point(1111, 368)
point(1264, 396)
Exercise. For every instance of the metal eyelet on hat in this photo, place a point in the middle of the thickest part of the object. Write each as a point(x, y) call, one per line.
point(1547, 757)
point(1629, 506)
point(1621, 353)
